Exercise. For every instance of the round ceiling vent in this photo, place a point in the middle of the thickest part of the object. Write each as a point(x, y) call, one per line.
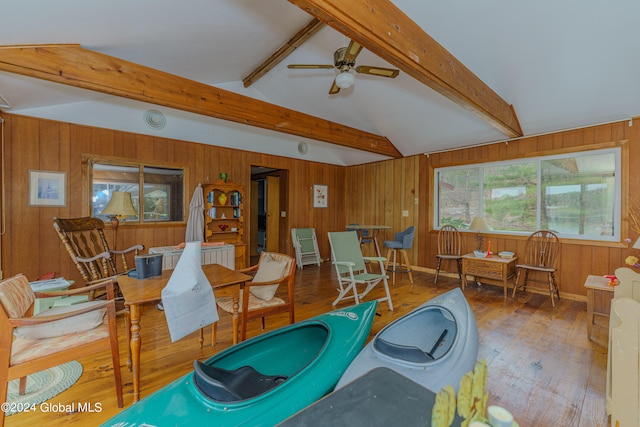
point(154, 119)
point(302, 148)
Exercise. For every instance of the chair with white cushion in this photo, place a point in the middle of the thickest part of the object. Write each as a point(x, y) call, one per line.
point(260, 297)
point(32, 343)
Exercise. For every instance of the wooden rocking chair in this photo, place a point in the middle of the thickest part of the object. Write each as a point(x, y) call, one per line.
point(87, 246)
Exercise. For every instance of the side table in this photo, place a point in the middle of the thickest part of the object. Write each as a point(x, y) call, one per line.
point(493, 268)
point(599, 296)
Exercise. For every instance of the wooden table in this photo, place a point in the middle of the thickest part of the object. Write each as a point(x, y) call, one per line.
point(597, 286)
point(373, 235)
point(493, 268)
point(136, 293)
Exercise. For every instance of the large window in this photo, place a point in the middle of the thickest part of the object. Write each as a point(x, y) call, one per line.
point(161, 198)
point(577, 195)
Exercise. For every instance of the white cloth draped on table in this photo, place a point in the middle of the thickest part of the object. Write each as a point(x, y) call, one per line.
point(188, 298)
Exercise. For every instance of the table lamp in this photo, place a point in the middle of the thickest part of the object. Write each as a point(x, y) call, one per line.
point(118, 207)
point(636, 245)
point(479, 224)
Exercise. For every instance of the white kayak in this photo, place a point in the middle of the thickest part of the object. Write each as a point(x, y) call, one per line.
point(433, 345)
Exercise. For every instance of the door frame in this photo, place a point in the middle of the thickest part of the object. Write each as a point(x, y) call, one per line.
point(261, 172)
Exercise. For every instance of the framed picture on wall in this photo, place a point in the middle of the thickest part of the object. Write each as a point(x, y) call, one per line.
point(47, 188)
point(320, 196)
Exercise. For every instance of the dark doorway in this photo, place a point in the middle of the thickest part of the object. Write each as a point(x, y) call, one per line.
point(269, 221)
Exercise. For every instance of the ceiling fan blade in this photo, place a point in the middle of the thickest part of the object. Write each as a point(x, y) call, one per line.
point(334, 88)
point(377, 71)
point(310, 66)
point(352, 51)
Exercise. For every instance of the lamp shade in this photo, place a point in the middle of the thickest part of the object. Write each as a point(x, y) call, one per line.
point(344, 80)
point(479, 224)
point(636, 245)
point(120, 204)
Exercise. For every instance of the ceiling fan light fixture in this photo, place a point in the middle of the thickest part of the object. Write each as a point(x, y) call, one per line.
point(344, 80)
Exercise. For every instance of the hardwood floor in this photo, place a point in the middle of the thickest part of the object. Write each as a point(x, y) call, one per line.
point(541, 365)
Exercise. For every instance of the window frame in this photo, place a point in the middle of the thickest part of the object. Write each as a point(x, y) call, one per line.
point(90, 161)
point(620, 150)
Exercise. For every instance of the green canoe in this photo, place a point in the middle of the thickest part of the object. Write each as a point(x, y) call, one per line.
point(263, 380)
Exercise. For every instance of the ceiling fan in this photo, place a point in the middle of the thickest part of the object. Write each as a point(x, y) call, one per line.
point(344, 60)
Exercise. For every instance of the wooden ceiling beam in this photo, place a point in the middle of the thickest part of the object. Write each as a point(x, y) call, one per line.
point(75, 66)
point(294, 42)
point(385, 30)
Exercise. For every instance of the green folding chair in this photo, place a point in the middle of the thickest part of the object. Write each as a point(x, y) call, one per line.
point(350, 265)
point(306, 246)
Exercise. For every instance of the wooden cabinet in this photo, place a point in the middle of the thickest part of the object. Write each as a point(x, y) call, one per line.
point(493, 268)
point(224, 216)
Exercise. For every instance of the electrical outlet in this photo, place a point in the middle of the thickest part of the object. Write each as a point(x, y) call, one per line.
point(405, 214)
point(283, 214)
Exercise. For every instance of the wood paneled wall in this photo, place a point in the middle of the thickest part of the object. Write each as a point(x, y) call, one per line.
point(30, 244)
point(378, 192)
point(375, 193)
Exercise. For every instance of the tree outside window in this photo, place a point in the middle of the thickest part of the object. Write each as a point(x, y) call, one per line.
point(576, 195)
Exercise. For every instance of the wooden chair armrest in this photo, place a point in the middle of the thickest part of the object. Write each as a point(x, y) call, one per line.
point(271, 282)
point(36, 320)
point(126, 251)
point(105, 255)
point(113, 278)
point(248, 269)
point(103, 283)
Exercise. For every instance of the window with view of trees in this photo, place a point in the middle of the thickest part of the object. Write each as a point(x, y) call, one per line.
point(577, 195)
point(161, 198)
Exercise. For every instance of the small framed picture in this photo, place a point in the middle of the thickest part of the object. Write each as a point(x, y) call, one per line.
point(47, 188)
point(320, 196)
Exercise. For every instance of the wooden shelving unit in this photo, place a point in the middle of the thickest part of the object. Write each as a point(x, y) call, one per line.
point(224, 216)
